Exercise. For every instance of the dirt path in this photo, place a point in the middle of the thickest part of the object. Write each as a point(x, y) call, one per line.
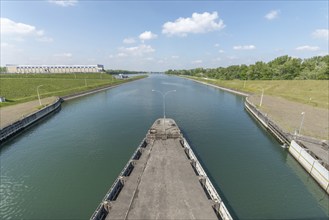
point(14, 113)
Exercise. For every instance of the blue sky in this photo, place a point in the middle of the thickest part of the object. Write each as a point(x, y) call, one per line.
point(161, 35)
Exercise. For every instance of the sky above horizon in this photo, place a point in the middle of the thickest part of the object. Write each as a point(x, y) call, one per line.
point(161, 35)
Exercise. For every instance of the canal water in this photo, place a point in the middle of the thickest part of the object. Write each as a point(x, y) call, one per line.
point(62, 167)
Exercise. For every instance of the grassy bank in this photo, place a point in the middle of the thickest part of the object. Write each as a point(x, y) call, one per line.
point(311, 92)
point(18, 88)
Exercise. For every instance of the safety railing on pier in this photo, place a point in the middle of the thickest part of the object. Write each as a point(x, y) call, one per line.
point(103, 208)
point(219, 205)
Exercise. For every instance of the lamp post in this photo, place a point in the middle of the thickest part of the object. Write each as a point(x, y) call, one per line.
point(164, 104)
point(301, 123)
point(39, 94)
point(261, 98)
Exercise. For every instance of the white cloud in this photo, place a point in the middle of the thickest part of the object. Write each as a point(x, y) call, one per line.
point(64, 3)
point(216, 45)
point(307, 48)
point(19, 31)
point(5, 45)
point(147, 35)
point(45, 39)
point(9, 27)
point(323, 53)
point(149, 58)
point(67, 55)
point(197, 61)
point(129, 40)
point(198, 23)
point(221, 51)
point(272, 14)
point(321, 34)
point(232, 57)
point(122, 55)
point(245, 47)
point(136, 51)
point(174, 57)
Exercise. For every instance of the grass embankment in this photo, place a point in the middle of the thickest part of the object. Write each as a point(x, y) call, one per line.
point(19, 88)
point(310, 92)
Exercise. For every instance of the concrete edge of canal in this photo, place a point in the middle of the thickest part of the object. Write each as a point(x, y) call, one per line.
point(313, 165)
point(19, 126)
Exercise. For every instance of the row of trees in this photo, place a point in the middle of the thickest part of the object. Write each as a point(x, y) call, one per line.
point(3, 69)
point(281, 68)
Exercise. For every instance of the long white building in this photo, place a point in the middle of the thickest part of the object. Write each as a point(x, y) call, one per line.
point(11, 68)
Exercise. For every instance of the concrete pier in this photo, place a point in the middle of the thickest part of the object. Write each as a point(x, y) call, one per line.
point(163, 180)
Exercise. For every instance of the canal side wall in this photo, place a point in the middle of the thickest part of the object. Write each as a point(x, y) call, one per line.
point(219, 87)
point(85, 93)
point(279, 134)
point(305, 157)
point(19, 125)
point(310, 164)
point(219, 206)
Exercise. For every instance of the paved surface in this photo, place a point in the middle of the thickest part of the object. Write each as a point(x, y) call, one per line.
point(13, 113)
point(163, 184)
point(287, 115)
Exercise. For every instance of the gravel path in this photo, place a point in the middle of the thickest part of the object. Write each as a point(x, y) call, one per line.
point(10, 114)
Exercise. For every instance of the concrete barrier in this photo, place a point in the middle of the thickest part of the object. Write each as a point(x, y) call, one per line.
point(103, 209)
point(219, 205)
point(303, 155)
point(310, 164)
point(17, 126)
point(279, 134)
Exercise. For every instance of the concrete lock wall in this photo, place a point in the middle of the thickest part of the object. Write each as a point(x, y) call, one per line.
point(278, 133)
point(12, 129)
point(310, 164)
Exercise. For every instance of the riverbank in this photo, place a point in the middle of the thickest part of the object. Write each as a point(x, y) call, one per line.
point(311, 126)
point(11, 115)
point(21, 88)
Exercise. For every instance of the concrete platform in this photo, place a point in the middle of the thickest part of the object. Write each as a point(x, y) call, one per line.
point(162, 180)
point(163, 184)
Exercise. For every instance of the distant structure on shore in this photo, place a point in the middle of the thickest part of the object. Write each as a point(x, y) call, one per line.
point(13, 68)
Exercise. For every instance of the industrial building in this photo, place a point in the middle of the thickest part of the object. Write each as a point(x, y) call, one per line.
point(12, 68)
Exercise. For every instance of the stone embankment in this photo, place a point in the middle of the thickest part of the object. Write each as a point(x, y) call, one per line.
point(14, 128)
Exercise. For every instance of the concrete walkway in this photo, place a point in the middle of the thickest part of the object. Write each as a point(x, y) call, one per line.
point(13, 113)
point(163, 184)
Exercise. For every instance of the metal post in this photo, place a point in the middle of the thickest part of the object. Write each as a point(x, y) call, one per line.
point(261, 98)
point(301, 123)
point(39, 94)
point(164, 105)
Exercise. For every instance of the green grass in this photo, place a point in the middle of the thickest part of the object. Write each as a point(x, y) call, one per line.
point(311, 92)
point(18, 88)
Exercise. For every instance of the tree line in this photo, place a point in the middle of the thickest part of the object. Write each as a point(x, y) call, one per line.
point(281, 68)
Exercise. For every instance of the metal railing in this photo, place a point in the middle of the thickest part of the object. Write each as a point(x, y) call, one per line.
point(101, 212)
point(219, 205)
